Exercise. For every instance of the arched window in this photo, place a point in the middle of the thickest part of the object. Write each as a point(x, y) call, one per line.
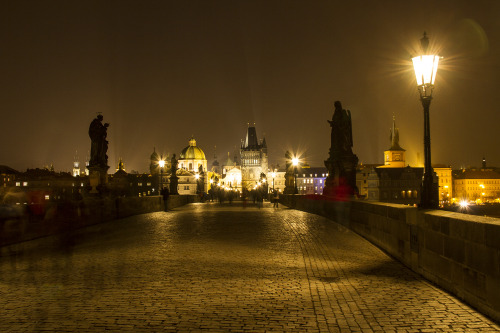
point(190, 166)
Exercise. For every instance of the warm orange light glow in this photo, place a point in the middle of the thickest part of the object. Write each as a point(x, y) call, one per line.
point(425, 67)
point(295, 161)
point(161, 163)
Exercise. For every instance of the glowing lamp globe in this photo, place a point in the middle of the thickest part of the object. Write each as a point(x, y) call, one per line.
point(425, 67)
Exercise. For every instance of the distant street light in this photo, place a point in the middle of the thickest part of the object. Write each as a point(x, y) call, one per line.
point(161, 163)
point(425, 72)
point(295, 163)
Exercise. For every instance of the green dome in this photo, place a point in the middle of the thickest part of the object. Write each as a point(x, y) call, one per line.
point(192, 152)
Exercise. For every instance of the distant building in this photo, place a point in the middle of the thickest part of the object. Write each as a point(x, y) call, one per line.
point(8, 176)
point(76, 166)
point(445, 178)
point(311, 180)
point(231, 174)
point(254, 160)
point(215, 164)
point(362, 173)
point(192, 158)
point(394, 157)
point(278, 180)
point(392, 182)
point(395, 185)
point(480, 186)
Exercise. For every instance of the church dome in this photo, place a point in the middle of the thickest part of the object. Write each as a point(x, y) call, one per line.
point(154, 155)
point(192, 152)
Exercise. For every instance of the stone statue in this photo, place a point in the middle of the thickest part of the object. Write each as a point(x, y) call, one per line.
point(341, 163)
point(174, 180)
point(173, 165)
point(341, 137)
point(99, 144)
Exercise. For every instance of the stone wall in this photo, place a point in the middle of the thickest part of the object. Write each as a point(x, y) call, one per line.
point(60, 217)
point(458, 252)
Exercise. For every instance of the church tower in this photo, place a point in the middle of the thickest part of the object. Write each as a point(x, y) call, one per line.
point(253, 156)
point(76, 166)
point(394, 157)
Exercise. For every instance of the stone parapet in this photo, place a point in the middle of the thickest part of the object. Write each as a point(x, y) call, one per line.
point(458, 252)
point(65, 216)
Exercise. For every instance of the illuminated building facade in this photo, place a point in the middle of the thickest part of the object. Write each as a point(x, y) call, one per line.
point(192, 158)
point(394, 157)
point(231, 174)
point(278, 180)
point(480, 186)
point(311, 180)
point(254, 161)
point(444, 174)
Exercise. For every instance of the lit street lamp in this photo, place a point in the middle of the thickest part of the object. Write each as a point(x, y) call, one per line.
point(425, 72)
point(161, 163)
point(295, 163)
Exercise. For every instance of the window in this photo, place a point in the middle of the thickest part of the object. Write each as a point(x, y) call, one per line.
point(139, 184)
point(26, 184)
point(18, 183)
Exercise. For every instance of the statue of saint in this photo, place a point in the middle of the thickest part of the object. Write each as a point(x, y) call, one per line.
point(173, 163)
point(341, 138)
point(99, 144)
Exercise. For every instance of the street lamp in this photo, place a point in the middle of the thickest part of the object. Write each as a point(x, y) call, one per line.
point(273, 174)
point(295, 163)
point(425, 72)
point(161, 163)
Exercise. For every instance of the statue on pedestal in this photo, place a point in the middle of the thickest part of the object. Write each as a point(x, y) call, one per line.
point(98, 164)
point(99, 144)
point(341, 163)
point(174, 180)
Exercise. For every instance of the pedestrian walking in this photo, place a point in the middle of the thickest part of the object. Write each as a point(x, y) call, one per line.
point(165, 193)
point(276, 198)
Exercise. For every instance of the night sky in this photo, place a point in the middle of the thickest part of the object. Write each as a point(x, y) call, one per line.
point(163, 71)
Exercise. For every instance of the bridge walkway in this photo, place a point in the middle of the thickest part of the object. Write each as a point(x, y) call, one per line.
point(220, 268)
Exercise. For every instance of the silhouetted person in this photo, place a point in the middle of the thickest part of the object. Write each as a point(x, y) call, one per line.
point(165, 193)
point(276, 198)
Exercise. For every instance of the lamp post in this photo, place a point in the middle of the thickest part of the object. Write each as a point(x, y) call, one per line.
point(425, 67)
point(295, 163)
point(273, 174)
point(197, 177)
point(161, 163)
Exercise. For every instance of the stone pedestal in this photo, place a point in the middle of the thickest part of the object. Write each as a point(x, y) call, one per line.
point(340, 167)
point(98, 178)
point(174, 181)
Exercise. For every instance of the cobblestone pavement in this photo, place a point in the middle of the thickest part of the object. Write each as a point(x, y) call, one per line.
point(220, 268)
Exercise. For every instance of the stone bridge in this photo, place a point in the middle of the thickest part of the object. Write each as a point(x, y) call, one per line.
point(220, 268)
